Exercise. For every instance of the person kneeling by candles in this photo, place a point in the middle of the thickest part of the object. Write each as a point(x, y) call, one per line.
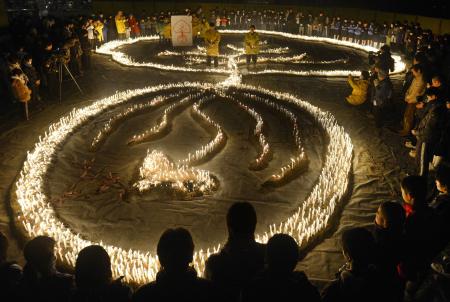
point(251, 46)
point(360, 88)
point(212, 40)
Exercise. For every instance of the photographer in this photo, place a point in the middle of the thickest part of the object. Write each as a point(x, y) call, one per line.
point(383, 59)
point(360, 88)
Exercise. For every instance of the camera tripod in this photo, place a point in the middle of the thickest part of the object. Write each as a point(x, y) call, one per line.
point(60, 69)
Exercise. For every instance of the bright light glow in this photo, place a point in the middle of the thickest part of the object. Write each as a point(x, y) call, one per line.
point(38, 216)
point(110, 48)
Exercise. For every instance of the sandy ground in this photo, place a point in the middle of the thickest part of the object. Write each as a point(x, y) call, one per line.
point(378, 163)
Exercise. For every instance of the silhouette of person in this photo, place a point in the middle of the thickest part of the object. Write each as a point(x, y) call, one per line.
point(279, 282)
point(10, 273)
point(93, 278)
point(241, 258)
point(41, 281)
point(176, 281)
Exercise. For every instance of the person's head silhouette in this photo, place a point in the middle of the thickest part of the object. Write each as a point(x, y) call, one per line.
point(241, 221)
point(39, 253)
point(282, 254)
point(175, 250)
point(358, 246)
point(93, 267)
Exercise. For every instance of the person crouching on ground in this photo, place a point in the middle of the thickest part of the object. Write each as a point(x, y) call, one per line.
point(360, 88)
point(251, 46)
point(212, 40)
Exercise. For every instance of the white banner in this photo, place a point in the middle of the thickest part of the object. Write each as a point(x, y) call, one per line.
point(181, 27)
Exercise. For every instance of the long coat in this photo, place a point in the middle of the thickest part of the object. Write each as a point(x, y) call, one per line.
point(212, 40)
point(251, 43)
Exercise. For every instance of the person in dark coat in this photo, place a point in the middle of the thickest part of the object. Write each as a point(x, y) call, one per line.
point(176, 281)
point(388, 234)
point(381, 96)
point(93, 278)
point(384, 60)
point(41, 281)
point(357, 280)
point(10, 273)
point(428, 131)
point(279, 282)
point(441, 204)
point(241, 258)
point(420, 244)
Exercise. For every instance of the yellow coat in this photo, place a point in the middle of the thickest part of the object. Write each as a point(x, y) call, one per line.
point(359, 93)
point(251, 43)
point(212, 40)
point(204, 27)
point(120, 25)
point(167, 31)
point(99, 29)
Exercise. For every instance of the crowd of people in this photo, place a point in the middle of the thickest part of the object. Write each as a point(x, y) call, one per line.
point(385, 262)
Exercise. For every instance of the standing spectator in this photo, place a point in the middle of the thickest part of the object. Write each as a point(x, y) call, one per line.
point(33, 77)
point(176, 281)
point(384, 60)
point(212, 41)
point(251, 46)
point(10, 273)
point(93, 278)
point(134, 26)
point(416, 89)
point(428, 131)
point(241, 258)
point(98, 32)
point(90, 33)
point(381, 97)
point(420, 243)
point(360, 88)
point(112, 29)
point(120, 25)
point(86, 49)
point(20, 89)
point(279, 282)
point(41, 281)
point(388, 235)
point(441, 204)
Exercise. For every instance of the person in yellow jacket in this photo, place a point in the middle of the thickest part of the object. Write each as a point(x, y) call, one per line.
point(212, 40)
point(167, 31)
point(360, 88)
point(98, 27)
point(251, 45)
point(120, 25)
point(204, 26)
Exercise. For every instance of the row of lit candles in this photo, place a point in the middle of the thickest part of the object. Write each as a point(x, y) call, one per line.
point(109, 48)
point(38, 216)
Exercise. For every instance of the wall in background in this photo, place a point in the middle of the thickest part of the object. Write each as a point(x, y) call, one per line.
point(3, 15)
point(437, 25)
